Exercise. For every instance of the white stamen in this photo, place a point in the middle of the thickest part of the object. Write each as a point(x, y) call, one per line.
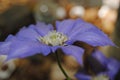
point(54, 38)
point(101, 77)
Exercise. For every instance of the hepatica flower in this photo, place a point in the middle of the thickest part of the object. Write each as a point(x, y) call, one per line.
point(44, 38)
point(110, 65)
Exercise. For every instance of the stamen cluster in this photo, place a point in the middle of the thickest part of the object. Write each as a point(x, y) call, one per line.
point(54, 38)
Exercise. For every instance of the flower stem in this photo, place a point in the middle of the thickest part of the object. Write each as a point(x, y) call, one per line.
point(60, 66)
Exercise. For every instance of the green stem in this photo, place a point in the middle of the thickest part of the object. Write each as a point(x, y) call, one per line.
point(60, 66)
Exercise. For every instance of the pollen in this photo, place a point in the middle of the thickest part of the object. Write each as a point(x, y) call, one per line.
point(101, 77)
point(54, 38)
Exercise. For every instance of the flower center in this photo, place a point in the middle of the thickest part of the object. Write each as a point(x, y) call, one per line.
point(54, 38)
point(101, 77)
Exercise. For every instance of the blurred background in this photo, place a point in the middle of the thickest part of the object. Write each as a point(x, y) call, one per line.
point(14, 14)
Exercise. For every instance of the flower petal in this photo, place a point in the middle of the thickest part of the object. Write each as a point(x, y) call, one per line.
point(90, 34)
point(45, 50)
point(10, 38)
point(74, 51)
point(81, 76)
point(65, 26)
point(28, 33)
point(95, 39)
point(113, 67)
point(80, 26)
point(54, 48)
point(100, 57)
point(43, 28)
point(5, 46)
point(21, 49)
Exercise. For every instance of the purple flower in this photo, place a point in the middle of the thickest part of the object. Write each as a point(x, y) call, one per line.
point(111, 68)
point(43, 38)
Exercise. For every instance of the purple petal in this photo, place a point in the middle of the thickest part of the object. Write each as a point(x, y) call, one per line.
point(5, 46)
point(90, 34)
point(113, 67)
point(79, 27)
point(74, 51)
point(111, 64)
point(21, 49)
point(65, 26)
point(95, 39)
point(43, 28)
point(45, 50)
point(81, 76)
point(54, 48)
point(10, 38)
point(100, 57)
point(28, 33)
